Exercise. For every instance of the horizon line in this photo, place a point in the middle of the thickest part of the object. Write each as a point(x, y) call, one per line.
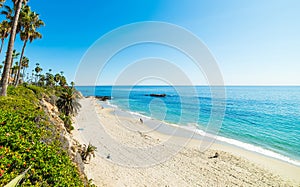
point(200, 85)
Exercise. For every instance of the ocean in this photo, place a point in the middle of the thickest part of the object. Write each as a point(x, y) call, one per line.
point(263, 119)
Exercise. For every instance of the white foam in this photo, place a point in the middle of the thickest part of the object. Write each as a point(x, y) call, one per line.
point(240, 144)
point(138, 114)
point(258, 149)
point(247, 146)
point(109, 104)
point(129, 112)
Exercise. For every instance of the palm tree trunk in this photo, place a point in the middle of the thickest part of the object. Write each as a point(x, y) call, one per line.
point(15, 76)
point(8, 59)
point(23, 74)
point(20, 63)
point(11, 76)
point(2, 42)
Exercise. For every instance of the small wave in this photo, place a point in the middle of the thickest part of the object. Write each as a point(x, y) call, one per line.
point(258, 149)
point(139, 115)
point(192, 125)
point(108, 104)
point(243, 145)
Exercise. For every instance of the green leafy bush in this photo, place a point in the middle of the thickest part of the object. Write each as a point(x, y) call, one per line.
point(87, 152)
point(67, 122)
point(39, 91)
point(27, 139)
point(22, 92)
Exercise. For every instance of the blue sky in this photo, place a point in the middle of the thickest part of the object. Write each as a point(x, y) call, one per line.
point(254, 42)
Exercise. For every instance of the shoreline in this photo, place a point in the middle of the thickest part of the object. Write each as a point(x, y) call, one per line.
point(279, 171)
point(198, 134)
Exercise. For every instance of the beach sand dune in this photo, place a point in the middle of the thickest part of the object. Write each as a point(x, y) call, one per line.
point(129, 154)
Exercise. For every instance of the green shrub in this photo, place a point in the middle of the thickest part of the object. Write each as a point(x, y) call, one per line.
point(86, 152)
point(39, 91)
point(27, 139)
point(22, 92)
point(67, 122)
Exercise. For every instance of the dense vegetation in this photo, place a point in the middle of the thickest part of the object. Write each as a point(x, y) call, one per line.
point(29, 138)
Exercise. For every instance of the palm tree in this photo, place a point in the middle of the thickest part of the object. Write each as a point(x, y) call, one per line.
point(32, 76)
point(62, 81)
point(5, 28)
point(6, 25)
point(57, 78)
point(72, 84)
point(24, 65)
point(41, 81)
point(1, 3)
point(8, 13)
point(67, 102)
point(50, 79)
point(37, 69)
point(15, 55)
point(30, 21)
point(13, 70)
point(87, 151)
point(7, 65)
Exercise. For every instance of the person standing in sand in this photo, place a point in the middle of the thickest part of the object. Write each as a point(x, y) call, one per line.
point(215, 156)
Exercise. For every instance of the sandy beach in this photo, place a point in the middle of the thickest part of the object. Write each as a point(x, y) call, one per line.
point(130, 153)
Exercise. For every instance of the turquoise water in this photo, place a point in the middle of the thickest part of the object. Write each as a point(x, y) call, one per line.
point(262, 119)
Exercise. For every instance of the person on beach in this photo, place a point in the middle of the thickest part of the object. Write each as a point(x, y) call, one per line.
point(141, 120)
point(215, 156)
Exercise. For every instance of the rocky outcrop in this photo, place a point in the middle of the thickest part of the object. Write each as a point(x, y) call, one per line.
point(103, 98)
point(156, 95)
point(68, 143)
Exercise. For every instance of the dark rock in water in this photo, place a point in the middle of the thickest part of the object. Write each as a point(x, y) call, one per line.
point(103, 98)
point(158, 95)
